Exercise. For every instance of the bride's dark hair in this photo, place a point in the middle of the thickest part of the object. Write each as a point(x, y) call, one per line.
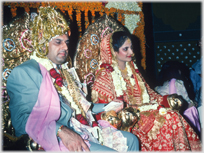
point(118, 39)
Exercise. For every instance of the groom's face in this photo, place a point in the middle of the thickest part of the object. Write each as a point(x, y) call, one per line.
point(58, 49)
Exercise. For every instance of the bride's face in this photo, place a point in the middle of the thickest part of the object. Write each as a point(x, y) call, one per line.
point(125, 52)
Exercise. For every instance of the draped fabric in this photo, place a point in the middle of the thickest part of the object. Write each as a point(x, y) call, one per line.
point(172, 87)
point(157, 132)
point(171, 134)
point(41, 124)
point(105, 50)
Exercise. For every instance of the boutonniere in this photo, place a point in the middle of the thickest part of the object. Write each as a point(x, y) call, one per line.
point(57, 77)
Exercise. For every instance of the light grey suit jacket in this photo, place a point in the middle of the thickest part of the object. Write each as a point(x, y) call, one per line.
point(23, 86)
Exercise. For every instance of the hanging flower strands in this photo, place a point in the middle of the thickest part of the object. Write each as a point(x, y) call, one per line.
point(27, 9)
point(139, 32)
point(78, 18)
point(86, 18)
point(70, 12)
point(93, 16)
point(13, 10)
point(101, 13)
point(120, 17)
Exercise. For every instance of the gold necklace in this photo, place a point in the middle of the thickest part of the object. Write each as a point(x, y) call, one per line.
point(124, 72)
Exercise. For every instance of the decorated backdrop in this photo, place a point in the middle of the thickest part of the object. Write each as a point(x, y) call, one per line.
point(128, 13)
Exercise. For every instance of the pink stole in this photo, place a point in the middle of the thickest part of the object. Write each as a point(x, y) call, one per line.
point(172, 87)
point(41, 124)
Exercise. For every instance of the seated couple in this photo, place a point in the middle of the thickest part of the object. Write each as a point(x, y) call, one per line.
point(46, 104)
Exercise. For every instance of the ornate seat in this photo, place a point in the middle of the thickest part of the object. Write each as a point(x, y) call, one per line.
point(87, 57)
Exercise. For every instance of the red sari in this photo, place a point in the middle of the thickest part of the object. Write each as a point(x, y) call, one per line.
point(156, 132)
point(169, 132)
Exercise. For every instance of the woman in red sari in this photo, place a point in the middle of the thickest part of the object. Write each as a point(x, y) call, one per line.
point(159, 128)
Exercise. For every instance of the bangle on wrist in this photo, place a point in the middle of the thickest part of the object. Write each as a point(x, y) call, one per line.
point(59, 130)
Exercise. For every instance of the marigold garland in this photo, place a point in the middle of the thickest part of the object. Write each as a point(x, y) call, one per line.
point(70, 12)
point(119, 17)
point(86, 19)
point(78, 18)
point(27, 9)
point(93, 15)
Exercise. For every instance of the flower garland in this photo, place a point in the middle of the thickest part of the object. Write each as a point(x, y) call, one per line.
point(148, 107)
point(120, 84)
point(153, 106)
point(131, 21)
point(62, 90)
point(130, 6)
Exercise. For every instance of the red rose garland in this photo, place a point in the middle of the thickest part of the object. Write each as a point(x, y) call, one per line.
point(107, 67)
point(59, 82)
point(57, 77)
point(81, 119)
point(136, 70)
point(94, 123)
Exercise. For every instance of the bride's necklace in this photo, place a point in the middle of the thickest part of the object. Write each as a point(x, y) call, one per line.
point(120, 84)
point(124, 72)
point(118, 80)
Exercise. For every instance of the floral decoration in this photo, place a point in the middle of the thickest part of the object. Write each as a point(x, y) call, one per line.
point(130, 6)
point(131, 21)
point(162, 111)
point(107, 66)
point(119, 82)
point(148, 107)
point(62, 89)
point(81, 119)
point(57, 77)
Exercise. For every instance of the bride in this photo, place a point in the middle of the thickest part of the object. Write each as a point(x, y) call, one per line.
point(118, 79)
